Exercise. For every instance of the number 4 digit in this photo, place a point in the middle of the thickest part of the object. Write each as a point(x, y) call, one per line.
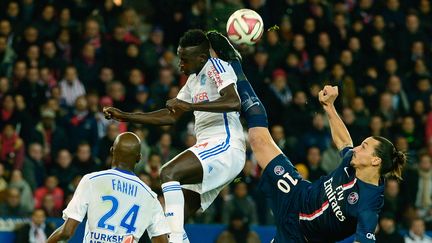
point(132, 213)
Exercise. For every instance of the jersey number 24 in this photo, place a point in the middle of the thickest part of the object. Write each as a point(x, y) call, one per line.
point(127, 222)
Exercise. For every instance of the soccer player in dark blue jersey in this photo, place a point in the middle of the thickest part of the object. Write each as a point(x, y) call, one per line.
point(343, 203)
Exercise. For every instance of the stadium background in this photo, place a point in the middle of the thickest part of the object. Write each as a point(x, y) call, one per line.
point(62, 61)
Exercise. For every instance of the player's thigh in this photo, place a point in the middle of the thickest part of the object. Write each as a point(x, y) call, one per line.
point(282, 183)
point(185, 168)
point(263, 146)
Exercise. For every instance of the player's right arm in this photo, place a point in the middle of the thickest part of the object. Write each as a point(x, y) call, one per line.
point(160, 117)
point(339, 132)
point(64, 232)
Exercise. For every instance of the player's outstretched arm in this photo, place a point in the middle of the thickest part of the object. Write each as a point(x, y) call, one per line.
point(339, 132)
point(64, 232)
point(160, 239)
point(229, 101)
point(160, 117)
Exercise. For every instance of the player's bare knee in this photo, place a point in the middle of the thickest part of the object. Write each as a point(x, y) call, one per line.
point(168, 173)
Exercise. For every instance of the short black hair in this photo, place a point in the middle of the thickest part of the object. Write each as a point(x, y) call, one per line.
point(194, 37)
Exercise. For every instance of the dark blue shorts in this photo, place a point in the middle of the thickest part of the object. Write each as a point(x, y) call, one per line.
point(285, 188)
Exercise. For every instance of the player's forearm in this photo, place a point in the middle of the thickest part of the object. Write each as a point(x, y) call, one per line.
point(223, 104)
point(58, 236)
point(339, 132)
point(160, 117)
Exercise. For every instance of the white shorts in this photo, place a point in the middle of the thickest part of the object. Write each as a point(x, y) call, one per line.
point(221, 164)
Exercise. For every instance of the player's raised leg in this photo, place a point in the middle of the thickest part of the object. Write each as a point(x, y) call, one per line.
point(262, 144)
point(183, 169)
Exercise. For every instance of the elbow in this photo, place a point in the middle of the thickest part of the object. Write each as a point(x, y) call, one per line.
point(65, 234)
point(235, 105)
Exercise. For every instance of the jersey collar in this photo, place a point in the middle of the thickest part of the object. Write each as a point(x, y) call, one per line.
point(124, 171)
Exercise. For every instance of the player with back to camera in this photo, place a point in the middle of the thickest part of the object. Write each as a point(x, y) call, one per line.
point(119, 206)
point(197, 175)
point(343, 203)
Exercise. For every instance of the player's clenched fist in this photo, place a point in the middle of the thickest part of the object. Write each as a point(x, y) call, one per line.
point(112, 113)
point(176, 104)
point(328, 95)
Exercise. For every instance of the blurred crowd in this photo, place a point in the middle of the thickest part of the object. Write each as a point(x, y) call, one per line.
point(62, 61)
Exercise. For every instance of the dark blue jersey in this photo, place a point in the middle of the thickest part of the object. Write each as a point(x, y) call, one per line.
point(339, 205)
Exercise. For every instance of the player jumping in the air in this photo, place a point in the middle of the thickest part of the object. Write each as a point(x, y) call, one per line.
point(197, 175)
point(119, 206)
point(343, 203)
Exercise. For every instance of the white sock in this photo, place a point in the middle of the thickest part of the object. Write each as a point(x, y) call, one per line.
point(174, 209)
point(185, 237)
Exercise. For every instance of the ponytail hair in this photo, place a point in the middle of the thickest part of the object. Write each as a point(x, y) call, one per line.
point(392, 160)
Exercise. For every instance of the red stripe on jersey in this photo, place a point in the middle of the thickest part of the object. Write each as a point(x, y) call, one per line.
point(349, 184)
point(315, 214)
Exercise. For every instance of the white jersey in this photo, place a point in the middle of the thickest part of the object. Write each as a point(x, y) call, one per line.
point(205, 86)
point(118, 205)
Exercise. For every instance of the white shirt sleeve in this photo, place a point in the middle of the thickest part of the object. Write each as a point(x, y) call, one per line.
point(159, 224)
point(77, 207)
point(185, 93)
point(224, 74)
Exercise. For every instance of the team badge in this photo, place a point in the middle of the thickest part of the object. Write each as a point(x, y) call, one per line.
point(279, 170)
point(353, 198)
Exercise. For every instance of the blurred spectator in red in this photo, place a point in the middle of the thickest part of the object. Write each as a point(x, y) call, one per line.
point(12, 148)
point(48, 205)
point(51, 187)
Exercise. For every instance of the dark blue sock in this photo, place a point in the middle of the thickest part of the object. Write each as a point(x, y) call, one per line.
point(255, 113)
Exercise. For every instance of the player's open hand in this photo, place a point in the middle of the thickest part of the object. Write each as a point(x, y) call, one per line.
point(177, 105)
point(112, 113)
point(328, 95)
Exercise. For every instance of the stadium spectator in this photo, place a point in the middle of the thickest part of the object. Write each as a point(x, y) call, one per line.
point(50, 188)
point(37, 231)
point(240, 202)
point(388, 230)
point(417, 232)
point(313, 163)
point(12, 148)
point(17, 181)
point(12, 207)
point(238, 230)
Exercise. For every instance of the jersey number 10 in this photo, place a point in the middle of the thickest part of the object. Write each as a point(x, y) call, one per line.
point(127, 222)
point(283, 184)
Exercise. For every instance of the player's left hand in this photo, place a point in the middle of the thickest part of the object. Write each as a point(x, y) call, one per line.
point(176, 104)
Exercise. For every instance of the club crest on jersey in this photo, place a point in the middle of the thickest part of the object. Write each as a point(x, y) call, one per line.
point(353, 198)
point(202, 80)
point(279, 170)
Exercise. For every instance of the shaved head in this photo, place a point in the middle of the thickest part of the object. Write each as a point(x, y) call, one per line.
point(126, 150)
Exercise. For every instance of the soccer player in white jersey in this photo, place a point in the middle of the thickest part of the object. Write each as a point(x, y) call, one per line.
point(118, 205)
point(197, 175)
